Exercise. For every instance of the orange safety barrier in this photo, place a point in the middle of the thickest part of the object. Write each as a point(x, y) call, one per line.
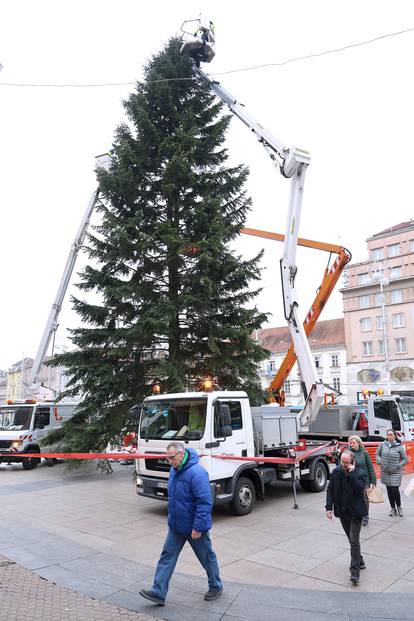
point(299, 456)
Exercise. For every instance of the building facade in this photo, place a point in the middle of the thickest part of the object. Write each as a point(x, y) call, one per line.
point(327, 343)
point(51, 381)
point(378, 303)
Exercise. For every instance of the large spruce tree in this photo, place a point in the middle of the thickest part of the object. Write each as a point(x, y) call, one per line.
point(174, 302)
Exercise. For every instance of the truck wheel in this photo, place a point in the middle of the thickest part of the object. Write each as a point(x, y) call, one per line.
point(320, 478)
point(244, 498)
point(30, 463)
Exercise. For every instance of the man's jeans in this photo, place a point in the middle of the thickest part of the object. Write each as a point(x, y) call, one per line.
point(352, 528)
point(172, 547)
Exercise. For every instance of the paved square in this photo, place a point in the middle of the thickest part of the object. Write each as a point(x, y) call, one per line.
point(92, 533)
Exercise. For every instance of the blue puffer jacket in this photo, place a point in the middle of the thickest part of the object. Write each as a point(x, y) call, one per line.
point(189, 497)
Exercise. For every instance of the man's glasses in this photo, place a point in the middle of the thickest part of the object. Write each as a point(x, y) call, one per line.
point(171, 457)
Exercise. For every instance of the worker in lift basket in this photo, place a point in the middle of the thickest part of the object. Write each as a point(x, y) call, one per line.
point(345, 498)
point(189, 519)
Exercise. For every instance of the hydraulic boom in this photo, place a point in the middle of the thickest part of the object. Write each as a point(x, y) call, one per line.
point(292, 163)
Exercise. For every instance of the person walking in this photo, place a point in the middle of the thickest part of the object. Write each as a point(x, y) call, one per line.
point(363, 460)
point(392, 458)
point(189, 519)
point(345, 498)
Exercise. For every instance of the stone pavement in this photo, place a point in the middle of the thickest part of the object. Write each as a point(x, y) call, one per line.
point(24, 596)
point(92, 534)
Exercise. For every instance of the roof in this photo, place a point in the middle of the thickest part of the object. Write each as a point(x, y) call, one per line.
point(329, 333)
point(395, 228)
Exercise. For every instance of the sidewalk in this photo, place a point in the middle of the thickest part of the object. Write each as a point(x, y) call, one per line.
point(24, 596)
point(91, 535)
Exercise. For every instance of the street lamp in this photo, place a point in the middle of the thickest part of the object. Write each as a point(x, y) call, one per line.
point(384, 282)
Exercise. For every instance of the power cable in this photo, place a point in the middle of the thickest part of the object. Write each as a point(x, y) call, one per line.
point(243, 69)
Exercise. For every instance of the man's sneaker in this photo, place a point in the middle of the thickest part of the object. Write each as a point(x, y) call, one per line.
point(365, 521)
point(213, 594)
point(354, 579)
point(393, 512)
point(362, 565)
point(400, 512)
point(152, 597)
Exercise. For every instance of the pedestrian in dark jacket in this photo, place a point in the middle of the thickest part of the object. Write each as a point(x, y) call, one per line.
point(345, 498)
point(363, 460)
point(392, 458)
point(189, 519)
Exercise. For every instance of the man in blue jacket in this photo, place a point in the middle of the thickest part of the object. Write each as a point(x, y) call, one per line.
point(189, 519)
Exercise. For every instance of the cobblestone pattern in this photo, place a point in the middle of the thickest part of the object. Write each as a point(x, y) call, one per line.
point(24, 596)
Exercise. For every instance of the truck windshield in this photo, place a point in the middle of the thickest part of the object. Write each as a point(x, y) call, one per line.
point(173, 418)
point(407, 408)
point(15, 418)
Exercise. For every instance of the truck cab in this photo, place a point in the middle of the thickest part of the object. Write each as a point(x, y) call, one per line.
point(24, 424)
point(391, 412)
point(200, 421)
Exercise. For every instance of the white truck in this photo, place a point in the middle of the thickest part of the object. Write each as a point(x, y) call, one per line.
point(23, 424)
point(383, 412)
point(223, 423)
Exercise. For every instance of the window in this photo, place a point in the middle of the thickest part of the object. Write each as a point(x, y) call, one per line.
point(381, 348)
point(235, 414)
point(272, 366)
point(42, 418)
point(363, 279)
point(398, 320)
point(379, 299)
point(411, 245)
point(395, 271)
point(334, 360)
point(396, 296)
point(336, 383)
point(287, 387)
point(400, 346)
point(366, 324)
point(317, 361)
point(364, 301)
point(382, 409)
point(380, 323)
point(377, 254)
point(367, 348)
point(394, 250)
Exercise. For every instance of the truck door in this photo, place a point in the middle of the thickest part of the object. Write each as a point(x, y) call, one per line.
point(231, 445)
point(41, 422)
point(382, 417)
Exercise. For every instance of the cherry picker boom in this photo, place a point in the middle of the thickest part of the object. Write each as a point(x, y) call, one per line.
point(50, 328)
point(292, 163)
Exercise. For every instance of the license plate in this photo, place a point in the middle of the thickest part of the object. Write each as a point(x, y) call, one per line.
point(162, 484)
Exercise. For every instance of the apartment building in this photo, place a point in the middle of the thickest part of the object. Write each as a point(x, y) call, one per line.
point(378, 303)
point(327, 343)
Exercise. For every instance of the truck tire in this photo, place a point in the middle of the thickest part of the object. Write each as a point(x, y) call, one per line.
point(30, 463)
point(320, 478)
point(244, 498)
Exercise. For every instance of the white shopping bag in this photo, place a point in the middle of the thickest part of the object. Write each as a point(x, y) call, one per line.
point(409, 490)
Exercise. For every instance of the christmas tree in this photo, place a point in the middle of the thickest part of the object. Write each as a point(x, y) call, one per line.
point(174, 302)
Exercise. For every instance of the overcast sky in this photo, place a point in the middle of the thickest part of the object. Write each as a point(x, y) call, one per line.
point(352, 110)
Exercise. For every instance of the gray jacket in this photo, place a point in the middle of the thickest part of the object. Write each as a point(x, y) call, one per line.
point(392, 458)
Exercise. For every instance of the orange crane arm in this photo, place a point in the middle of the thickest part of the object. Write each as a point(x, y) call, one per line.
point(329, 280)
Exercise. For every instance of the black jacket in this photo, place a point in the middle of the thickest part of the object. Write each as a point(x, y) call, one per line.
point(346, 492)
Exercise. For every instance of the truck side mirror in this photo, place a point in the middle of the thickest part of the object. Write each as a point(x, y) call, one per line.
point(224, 419)
point(135, 412)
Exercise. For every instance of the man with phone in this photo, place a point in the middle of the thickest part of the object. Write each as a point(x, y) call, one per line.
point(345, 498)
